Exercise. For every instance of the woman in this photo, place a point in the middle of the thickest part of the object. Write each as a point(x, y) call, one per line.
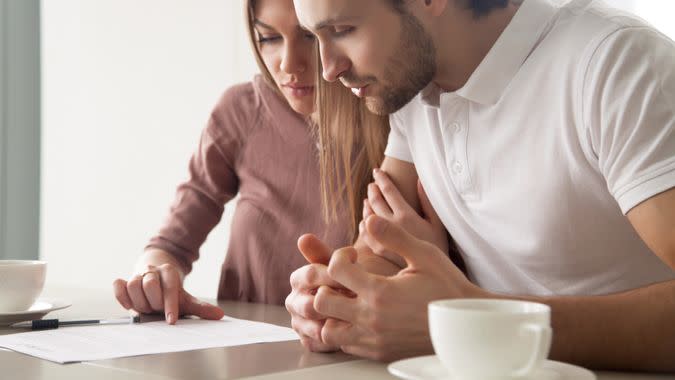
point(259, 145)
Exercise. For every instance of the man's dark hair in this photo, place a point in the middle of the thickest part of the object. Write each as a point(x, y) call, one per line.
point(479, 7)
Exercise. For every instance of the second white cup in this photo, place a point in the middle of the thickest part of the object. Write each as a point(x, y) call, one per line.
point(489, 338)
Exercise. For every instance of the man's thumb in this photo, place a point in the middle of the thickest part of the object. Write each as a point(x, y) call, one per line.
point(314, 250)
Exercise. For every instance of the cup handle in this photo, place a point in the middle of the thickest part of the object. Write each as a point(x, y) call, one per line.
point(542, 335)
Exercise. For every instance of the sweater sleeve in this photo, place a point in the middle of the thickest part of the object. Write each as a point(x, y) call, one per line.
point(199, 202)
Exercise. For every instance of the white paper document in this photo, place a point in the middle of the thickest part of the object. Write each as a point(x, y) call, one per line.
point(74, 344)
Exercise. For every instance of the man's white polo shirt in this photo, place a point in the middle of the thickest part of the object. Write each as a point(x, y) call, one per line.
point(567, 124)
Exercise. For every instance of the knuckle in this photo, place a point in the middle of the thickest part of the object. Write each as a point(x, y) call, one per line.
point(312, 275)
point(319, 305)
point(166, 267)
point(337, 262)
point(295, 324)
point(288, 303)
point(151, 282)
point(134, 283)
point(327, 336)
point(310, 344)
point(295, 278)
point(386, 187)
point(400, 219)
point(310, 329)
point(315, 331)
point(306, 342)
point(308, 309)
point(378, 249)
point(334, 266)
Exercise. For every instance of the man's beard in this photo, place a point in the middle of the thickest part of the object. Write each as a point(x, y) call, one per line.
point(405, 77)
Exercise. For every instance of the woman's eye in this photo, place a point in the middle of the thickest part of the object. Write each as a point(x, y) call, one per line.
point(339, 31)
point(263, 39)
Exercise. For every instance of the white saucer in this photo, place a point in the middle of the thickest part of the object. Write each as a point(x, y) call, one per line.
point(39, 309)
point(430, 368)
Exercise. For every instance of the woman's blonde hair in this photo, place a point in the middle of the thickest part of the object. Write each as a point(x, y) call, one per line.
point(249, 10)
point(351, 144)
point(351, 140)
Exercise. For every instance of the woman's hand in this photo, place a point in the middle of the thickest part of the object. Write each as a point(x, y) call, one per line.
point(160, 289)
point(386, 201)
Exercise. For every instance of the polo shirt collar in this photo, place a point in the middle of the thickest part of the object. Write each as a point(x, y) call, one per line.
point(488, 82)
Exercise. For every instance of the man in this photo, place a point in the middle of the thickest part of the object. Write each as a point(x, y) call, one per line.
point(544, 136)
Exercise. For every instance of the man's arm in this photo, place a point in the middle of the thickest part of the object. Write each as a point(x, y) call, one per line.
point(654, 221)
point(632, 330)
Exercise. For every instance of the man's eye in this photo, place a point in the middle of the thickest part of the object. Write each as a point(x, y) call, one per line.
point(339, 31)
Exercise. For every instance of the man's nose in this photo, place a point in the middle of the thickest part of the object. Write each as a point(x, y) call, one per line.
point(334, 65)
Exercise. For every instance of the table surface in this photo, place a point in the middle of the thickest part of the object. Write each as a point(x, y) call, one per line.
point(283, 360)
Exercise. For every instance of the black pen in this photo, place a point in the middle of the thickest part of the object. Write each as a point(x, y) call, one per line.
point(45, 324)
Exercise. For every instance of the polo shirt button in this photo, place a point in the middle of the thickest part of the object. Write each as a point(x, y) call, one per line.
point(457, 167)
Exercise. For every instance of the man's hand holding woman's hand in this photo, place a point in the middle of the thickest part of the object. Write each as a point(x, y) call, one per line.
point(385, 315)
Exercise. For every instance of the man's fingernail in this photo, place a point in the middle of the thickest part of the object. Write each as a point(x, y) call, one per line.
point(169, 317)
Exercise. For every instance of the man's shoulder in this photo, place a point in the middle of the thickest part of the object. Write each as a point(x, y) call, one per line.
point(598, 14)
point(589, 22)
point(580, 32)
point(597, 38)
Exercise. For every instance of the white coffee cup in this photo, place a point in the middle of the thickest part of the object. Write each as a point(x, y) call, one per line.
point(489, 338)
point(21, 282)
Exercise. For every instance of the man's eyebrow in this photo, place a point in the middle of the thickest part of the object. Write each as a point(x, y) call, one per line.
point(260, 23)
point(335, 20)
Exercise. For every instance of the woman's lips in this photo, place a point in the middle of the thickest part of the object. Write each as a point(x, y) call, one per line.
point(299, 91)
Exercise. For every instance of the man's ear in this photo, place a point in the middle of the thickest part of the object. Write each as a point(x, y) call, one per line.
point(435, 7)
